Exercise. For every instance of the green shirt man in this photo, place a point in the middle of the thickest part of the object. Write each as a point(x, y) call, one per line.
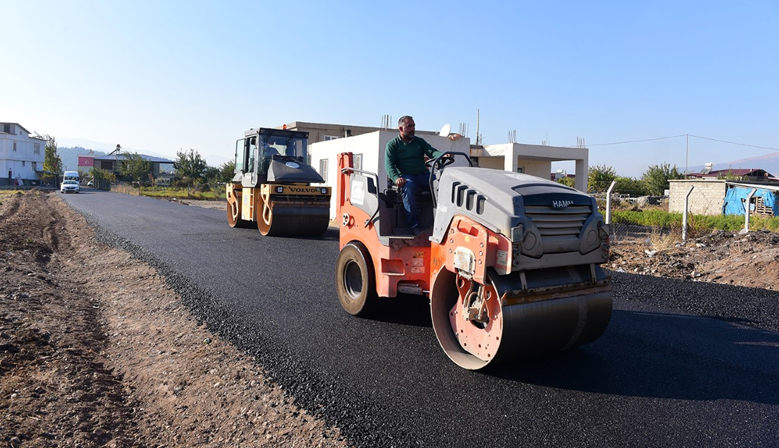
point(404, 160)
point(402, 157)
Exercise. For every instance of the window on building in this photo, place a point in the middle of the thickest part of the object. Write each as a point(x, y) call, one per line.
point(14, 146)
point(37, 148)
point(35, 166)
point(23, 162)
point(329, 137)
point(323, 169)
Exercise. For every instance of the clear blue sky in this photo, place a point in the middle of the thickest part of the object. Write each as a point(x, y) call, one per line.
point(163, 76)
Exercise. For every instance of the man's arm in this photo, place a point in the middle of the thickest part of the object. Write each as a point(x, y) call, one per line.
point(389, 162)
point(430, 152)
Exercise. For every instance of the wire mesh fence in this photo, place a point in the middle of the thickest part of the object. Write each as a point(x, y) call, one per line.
point(620, 233)
point(690, 209)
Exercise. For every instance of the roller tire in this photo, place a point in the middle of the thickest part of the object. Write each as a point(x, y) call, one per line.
point(355, 280)
point(236, 221)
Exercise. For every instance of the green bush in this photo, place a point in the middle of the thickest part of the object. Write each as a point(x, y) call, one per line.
point(697, 224)
point(201, 193)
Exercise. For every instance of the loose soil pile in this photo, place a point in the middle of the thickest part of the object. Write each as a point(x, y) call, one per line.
point(96, 350)
point(750, 259)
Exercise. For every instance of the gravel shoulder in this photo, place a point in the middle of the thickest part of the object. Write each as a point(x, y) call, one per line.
point(96, 350)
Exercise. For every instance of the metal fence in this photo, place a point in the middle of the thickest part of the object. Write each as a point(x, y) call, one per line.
point(620, 233)
point(696, 198)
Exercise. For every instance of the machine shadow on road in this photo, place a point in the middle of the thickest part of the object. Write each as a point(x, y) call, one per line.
point(742, 364)
point(404, 309)
point(331, 234)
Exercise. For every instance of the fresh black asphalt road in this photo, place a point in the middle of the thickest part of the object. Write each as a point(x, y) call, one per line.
point(658, 377)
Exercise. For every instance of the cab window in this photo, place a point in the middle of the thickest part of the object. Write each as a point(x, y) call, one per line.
point(240, 155)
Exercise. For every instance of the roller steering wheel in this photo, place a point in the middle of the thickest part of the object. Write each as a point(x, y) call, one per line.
point(437, 166)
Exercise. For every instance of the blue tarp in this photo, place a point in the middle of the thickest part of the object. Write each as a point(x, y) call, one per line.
point(737, 195)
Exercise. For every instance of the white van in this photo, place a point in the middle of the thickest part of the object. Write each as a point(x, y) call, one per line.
point(71, 175)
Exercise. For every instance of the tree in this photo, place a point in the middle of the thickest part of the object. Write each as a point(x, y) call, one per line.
point(212, 175)
point(656, 178)
point(134, 167)
point(227, 171)
point(567, 181)
point(52, 161)
point(630, 186)
point(190, 167)
point(728, 176)
point(102, 177)
point(599, 178)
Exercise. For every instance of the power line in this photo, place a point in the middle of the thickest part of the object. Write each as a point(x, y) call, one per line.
point(638, 141)
point(684, 135)
point(734, 143)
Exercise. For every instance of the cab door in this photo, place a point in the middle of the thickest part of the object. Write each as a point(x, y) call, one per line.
point(245, 163)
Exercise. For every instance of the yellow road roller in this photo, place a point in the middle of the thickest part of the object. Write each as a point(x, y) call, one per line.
point(272, 186)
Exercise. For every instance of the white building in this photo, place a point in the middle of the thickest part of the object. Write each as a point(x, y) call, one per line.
point(535, 160)
point(21, 156)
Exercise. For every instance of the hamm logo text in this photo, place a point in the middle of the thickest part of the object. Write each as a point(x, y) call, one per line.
point(561, 204)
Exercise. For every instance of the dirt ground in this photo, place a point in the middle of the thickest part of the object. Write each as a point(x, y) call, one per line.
point(96, 350)
point(750, 259)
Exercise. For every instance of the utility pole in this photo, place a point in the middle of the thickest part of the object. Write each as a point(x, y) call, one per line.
point(478, 136)
point(687, 155)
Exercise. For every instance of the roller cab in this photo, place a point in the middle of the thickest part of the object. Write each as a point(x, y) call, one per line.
point(271, 188)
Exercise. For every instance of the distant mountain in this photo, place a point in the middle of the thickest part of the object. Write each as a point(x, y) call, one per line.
point(69, 156)
point(106, 147)
point(768, 162)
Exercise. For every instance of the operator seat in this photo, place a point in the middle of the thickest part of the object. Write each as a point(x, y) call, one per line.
point(392, 199)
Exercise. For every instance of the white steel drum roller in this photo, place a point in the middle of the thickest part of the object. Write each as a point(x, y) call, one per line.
point(477, 324)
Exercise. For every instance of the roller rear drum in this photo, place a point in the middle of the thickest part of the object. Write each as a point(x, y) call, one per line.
point(292, 219)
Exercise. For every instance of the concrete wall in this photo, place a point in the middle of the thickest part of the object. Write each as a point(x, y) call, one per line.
point(707, 197)
point(531, 156)
point(318, 131)
point(538, 168)
point(365, 145)
point(495, 163)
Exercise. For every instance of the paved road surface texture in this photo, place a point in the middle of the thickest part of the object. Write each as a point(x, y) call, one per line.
point(658, 377)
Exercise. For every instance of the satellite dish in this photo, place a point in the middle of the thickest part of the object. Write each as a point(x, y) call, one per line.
point(444, 132)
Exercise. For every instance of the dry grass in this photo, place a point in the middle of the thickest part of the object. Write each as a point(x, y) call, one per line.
point(659, 240)
point(7, 193)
